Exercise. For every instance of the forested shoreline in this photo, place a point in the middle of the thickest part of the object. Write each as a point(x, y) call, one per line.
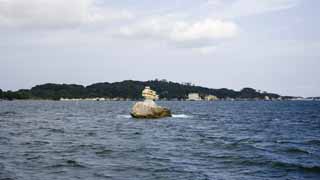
point(131, 90)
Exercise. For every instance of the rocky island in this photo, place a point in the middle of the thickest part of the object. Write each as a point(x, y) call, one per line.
point(148, 109)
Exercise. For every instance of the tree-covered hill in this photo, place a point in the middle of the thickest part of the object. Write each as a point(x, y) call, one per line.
point(129, 90)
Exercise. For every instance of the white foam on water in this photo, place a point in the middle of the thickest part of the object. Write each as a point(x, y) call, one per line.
point(181, 116)
point(124, 116)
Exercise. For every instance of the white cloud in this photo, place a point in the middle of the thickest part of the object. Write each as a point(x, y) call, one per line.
point(192, 33)
point(207, 29)
point(181, 25)
point(54, 13)
point(240, 8)
point(205, 50)
point(249, 7)
point(214, 3)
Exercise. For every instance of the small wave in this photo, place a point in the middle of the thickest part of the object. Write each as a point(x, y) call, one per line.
point(101, 175)
point(291, 166)
point(5, 174)
point(104, 152)
point(313, 142)
point(8, 113)
point(4, 140)
point(35, 143)
point(181, 116)
point(56, 130)
point(126, 116)
point(33, 157)
point(68, 163)
point(296, 150)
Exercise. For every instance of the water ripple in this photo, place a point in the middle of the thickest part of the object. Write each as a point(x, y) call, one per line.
point(46, 140)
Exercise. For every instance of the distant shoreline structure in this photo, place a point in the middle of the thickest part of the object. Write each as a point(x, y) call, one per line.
point(216, 99)
point(130, 90)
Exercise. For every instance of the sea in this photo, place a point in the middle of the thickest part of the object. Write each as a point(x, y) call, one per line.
point(219, 140)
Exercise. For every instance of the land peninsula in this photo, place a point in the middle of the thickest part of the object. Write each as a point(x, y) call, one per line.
point(131, 90)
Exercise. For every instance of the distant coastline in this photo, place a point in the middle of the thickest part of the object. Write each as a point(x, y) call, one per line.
point(131, 90)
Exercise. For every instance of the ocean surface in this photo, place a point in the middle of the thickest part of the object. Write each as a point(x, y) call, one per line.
point(48, 140)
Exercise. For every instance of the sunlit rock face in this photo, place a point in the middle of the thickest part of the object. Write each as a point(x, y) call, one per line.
point(149, 94)
point(148, 108)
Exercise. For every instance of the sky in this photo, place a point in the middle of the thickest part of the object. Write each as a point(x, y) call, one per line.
point(270, 45)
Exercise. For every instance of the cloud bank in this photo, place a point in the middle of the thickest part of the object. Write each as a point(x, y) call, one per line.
point(201, 33)
point(183, 29)
point(55, 13)
point(176, 30)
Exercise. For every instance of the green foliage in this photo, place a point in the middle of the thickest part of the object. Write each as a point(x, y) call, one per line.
point(128, 89)
point(10, 95)
point(57, 91)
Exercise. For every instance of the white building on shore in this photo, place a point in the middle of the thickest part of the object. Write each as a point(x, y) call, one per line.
point(211, 98)
point(194, 97)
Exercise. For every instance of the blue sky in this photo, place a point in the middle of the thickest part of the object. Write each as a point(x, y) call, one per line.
point(271, 45)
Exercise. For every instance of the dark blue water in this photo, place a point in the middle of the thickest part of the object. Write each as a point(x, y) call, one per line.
point(46, 140)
